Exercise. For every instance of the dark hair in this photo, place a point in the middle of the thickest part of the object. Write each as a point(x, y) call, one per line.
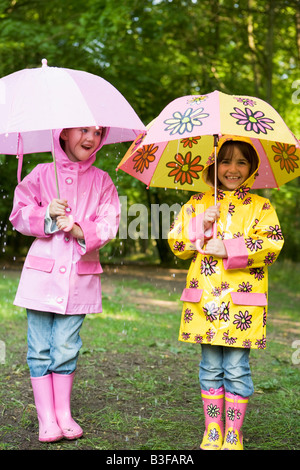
point(227, 150)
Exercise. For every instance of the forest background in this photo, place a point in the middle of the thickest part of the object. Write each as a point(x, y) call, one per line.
point(154, 51)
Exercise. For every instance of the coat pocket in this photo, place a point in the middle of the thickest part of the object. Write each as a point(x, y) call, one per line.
point(89, 267)
point(191, 295)
point(39, 263)
point(249, 298)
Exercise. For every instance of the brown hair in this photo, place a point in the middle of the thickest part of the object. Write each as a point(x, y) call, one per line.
point(227, 150)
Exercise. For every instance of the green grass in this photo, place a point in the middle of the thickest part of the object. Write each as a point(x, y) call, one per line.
point(137, 387)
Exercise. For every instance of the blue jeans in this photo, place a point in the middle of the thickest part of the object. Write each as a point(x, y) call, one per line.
point(227, 366)
point(53, 342)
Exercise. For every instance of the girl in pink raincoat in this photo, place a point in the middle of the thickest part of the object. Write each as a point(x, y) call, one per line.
point(60, 281)
point(226, 295)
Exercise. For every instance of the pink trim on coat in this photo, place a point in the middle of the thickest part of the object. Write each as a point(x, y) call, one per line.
point(237, 253)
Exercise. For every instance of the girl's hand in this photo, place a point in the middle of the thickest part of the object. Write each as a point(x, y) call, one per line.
point(216, 247)
point(211, 215)
point(62, 222)
point(57, 207)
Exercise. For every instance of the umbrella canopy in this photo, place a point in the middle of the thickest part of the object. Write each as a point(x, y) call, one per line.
point(33, 102)
point(178, 143)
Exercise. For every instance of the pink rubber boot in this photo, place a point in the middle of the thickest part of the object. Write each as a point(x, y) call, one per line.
point(49, 431)
point(235, 410)
point(213, 404)
point(62, 388)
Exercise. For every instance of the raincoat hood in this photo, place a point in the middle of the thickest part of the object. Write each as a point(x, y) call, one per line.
point(225, 138)
point(62, 159)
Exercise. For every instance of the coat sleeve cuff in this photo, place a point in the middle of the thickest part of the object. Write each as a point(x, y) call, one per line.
point(237, 254)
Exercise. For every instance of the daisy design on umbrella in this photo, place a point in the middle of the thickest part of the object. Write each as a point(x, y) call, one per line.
point(253, 121)
point(184, 169)
point(181, 123)
point(285, 154)
point(144, 157)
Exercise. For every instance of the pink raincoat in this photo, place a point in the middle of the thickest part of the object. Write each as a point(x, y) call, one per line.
point(60, 273)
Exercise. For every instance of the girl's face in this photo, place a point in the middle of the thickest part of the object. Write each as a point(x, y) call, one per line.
point(81, 142)
point(233, 170)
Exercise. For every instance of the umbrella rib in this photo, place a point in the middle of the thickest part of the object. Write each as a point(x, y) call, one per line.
point(55, 168)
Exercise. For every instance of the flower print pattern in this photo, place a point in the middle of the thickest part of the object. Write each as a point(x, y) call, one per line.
point(247, 344)
point(275, 233)
point(247, 201)
point(241, 192)
point(231, 437)
point(233, 413)
point(231, 208)
point(179, 246)
point(198, 339)
point(190, 141)
point(210, 335)
point(144, 157)
point(197, 99)
point(224, 311)
point(185, 336)
point(188, 315)
point(265, 317)
point(211, 311)
point(208, 266)
point(213, 410)
point(185, 169)
point(228, 340)
point(216, 292)
point(242, 320)
point(258, 273)
point(261, 343)
point(198, 196)
point(266, 206)
point(215, 319)
point(269, 259)
point(213, 435)
point(194, 283)
point(181, 123)
point(220, 194)
point(253, 121)
point(245, 101)
point(245, 287)
point(285, 154)
point(224, 285)
point(254, 245)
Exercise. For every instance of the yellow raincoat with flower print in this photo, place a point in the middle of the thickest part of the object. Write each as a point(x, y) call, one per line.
point(225, 300)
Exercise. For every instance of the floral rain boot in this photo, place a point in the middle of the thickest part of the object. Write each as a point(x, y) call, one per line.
point(235, 410)
point(213, 404)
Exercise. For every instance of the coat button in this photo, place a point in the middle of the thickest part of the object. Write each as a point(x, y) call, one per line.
point(59, 300)
point(62, 269)
point(68, 209)
point(69, 180)
point(67, 239)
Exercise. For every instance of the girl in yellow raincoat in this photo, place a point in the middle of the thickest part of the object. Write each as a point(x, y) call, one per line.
point(226, 294)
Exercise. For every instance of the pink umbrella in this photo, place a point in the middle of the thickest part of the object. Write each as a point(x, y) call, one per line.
point(34, 102)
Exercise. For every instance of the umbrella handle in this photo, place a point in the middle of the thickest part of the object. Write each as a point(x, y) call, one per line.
point(70, 225)
point(198, 241)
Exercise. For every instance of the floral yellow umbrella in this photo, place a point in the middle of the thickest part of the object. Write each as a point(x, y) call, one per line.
point(177, 144)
